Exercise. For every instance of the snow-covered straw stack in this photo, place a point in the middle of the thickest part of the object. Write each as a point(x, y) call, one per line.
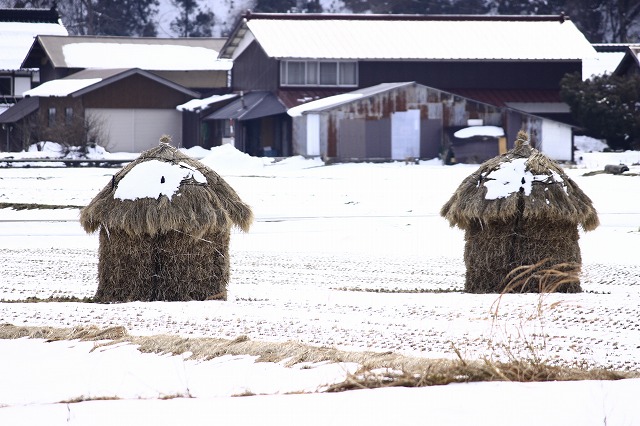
point(165, 222)
point(520, 213)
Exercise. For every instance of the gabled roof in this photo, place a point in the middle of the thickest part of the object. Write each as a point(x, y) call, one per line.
point(149, 53)
point(89, 80)
point(410, 37)
point(18, 28)
point(631, 59)
point(608, 57)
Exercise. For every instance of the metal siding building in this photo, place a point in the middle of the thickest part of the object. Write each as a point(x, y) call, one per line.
point(401, 121)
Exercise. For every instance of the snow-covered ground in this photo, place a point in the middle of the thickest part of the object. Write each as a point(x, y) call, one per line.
point(351, 256)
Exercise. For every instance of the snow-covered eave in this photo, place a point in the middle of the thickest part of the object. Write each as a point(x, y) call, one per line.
point(196, 105)
point(425, 59)
point(61, 87)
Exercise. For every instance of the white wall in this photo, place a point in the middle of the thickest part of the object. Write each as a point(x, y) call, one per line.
point(557, 142)
point(21, 85)
point(137, 130)
point(313, 134)
point(405, 134)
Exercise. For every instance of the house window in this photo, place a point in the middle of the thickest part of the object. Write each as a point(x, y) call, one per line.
point(52, 117)
point(68, 115)
point(312, 73)
point(347, 73)
point(328, 73)
point(319, 73)
point(5, 86)
point(296, 72)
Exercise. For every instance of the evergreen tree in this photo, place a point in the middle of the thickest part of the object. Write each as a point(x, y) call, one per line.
point(608, 107)
point(192, 20)
point(275, 6)
point(109, 17)
point(125, 17)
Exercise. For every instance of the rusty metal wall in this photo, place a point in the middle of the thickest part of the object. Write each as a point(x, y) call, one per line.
point(352, 139)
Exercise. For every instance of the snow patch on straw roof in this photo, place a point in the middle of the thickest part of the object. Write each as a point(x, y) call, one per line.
point(150, 179)
point(512, 176)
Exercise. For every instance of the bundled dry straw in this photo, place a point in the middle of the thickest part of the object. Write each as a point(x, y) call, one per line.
point(166, 247)
point(377, 369)
point(520, 213)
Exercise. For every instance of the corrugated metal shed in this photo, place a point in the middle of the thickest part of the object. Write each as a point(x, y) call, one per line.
point(385, 37)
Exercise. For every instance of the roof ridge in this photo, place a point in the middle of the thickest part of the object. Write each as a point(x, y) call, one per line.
point(248, 15)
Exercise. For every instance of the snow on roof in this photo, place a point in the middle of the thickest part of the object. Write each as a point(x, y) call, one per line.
point(157, 57)
point(62, 87)
point(420, 39)
point(513, 175)
point(152, 178)
point(603, 62)
point(329, 101)
point(343, 98)
point(469, 132)
point(16, 39)
point(197, 104)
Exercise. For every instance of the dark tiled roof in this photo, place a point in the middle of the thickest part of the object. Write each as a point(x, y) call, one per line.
point(502, 97)
point(250, 106)
point(20, 110)
point(47, 16)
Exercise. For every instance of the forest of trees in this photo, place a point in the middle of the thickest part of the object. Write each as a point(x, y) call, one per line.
point(610, 21)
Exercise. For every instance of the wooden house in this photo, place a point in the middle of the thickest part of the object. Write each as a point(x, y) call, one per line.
point(130, 108)
point(147, 79)
point(508, 61)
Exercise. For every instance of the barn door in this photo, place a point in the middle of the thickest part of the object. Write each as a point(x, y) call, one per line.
point(405, 134)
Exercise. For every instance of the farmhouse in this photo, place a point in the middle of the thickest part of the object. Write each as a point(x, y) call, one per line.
point(520, 213)
point(147, 79)
point(504, 61)
point(164, 222)
point(126, 108)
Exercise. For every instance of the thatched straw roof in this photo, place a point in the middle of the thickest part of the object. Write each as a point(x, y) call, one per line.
point(165, 190)
point(492, 193)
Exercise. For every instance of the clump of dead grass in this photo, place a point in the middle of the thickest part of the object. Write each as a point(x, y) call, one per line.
point(377, 369)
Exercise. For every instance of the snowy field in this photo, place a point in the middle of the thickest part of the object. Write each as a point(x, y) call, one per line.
point(350, 256)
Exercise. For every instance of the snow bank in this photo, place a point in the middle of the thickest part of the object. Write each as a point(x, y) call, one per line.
point(226, 159)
